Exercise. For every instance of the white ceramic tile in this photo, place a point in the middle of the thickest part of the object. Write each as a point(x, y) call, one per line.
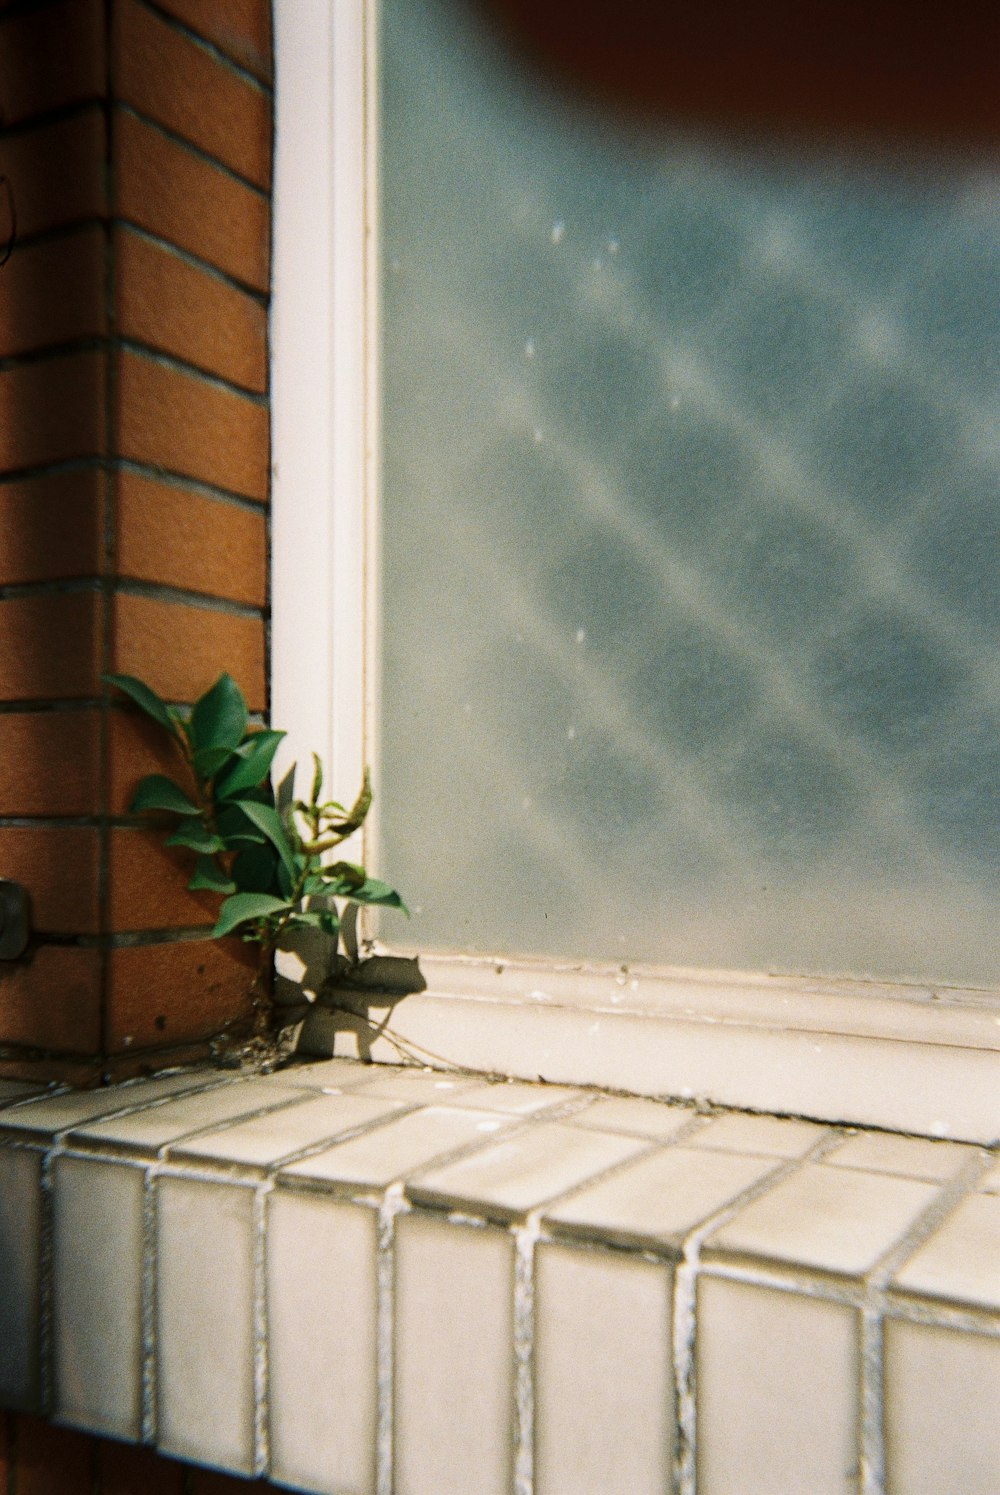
point(604, 1420)
point(97, 1295)
point(393, 1150)
point(148, 1131)
point(961, 1260)
point(635, 1117)
point(57, 1113)
point(17, 1090)
point(990, 1181)
point(771, 1136)
point(20, 1251)
point(421, 1087)
point(777, 1393)
point(658, 1199)
point(331, 1074)
point(205, 1319)
point(262, 1142)
point(907, 1157)
point(524, 1171)
point(834, 1219)
point(516, 1098)
point(454, 1370)
point(942, 1411)
point(322, 1293)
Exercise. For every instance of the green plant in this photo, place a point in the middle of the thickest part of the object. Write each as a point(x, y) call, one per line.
point(262, 852)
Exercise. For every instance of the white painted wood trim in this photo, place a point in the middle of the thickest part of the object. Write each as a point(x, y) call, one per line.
point(318, 353)
point(909, 1059)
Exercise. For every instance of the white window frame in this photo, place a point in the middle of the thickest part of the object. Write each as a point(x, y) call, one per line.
point(913, 1058)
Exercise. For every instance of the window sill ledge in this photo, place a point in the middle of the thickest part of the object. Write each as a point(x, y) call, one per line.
point(340, 1271)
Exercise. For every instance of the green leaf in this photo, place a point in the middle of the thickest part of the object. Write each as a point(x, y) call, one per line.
point(347, 875)
point(219, 718)
point(251, 766)
point(242, 908)
point(235, 829)
point(317, 784)
point(267, 819)
point(196, 836)
point(147, 700)
point(209, 760)
point(374, 891)
point(255, 870)
point(209, 877)
point(157, 792)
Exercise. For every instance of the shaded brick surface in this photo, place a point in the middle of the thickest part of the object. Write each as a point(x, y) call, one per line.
point(53, 292)
point(58, 866)
point(51, 646)
point(52, 526)
point(53, 410)
point(50, 762)
point(56, 172)
point(53, 1000)
point(51, 57)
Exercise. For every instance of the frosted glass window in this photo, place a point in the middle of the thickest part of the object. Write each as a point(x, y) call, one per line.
point(689, 469)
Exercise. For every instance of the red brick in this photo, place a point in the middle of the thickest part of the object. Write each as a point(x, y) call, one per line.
point(56, 173)
point(58, 866)
point(180, 651)
point(52, 527)
point(51, 646)
point(164, 74)
point(178, 993)
point(147, 885)
point(53, 1000)
point(136, 747)
point(191, 427)
point(52, 410)
point(173, 193)
point(171, 535)
point(53, 1460)
point(81, 1074)
point(240, 28)
point(51, 57)
point(126, 1470)
point(177, 308)
point(50, 762)
point(53, 292)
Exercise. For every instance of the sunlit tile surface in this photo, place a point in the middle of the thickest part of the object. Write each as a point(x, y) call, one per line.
point(690, 533)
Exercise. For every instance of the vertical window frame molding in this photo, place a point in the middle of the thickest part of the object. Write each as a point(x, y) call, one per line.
point(321, 528)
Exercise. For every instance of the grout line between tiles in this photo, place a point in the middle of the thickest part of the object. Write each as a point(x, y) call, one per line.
point(148, 1409)
point(262, 1408)
point(525, 1240)
point(871, 1429)
point(685, 1312)
point(46, 1265)
point(393, 1203)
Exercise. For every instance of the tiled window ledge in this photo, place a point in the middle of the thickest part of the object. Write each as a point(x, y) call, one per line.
point(358, 1279)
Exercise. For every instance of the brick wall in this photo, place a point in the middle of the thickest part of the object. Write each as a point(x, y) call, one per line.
point(38, 1459)
point(134, 475)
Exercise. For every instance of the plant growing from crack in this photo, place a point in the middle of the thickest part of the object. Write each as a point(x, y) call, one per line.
point(263, 851)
